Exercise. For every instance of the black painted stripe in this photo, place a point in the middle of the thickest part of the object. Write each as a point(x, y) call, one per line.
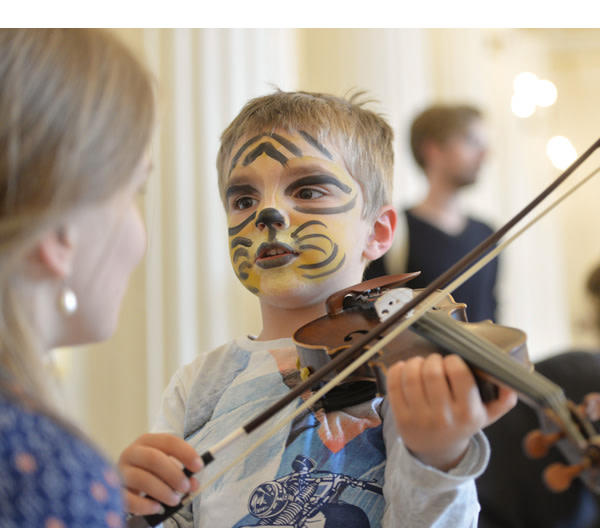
point(239, 253)
point(269, 150)
point(240, 241)
point(323, 263)
point(305, 247)
point(308, 224)
point(317, 179)
point(327, 272)
point(315, 143)
point(236, 229)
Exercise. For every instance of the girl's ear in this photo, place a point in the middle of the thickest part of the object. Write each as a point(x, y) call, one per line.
point(382, 233)
point(55, 250)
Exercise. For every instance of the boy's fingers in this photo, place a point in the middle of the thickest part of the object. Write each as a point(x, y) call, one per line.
point(152, 463)
point(435, 382)
point(507, 399)
point(460, 378)
point(174, 446)
point(412, 382)
point(138, 505)
point(141, 482)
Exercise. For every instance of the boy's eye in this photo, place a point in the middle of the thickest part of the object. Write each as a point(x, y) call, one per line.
point(245, 202)
point(309, 193)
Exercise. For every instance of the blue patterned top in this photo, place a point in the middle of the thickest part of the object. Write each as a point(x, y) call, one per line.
point(50, 477)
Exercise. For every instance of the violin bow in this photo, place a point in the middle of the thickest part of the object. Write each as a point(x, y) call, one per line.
point(420, 303)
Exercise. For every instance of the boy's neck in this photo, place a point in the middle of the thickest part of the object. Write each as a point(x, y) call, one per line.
point(281, 323)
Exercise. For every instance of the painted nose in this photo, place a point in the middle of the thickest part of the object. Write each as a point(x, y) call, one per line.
point(270, 219)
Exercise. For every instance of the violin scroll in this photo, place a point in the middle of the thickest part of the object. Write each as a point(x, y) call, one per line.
point(582, 454)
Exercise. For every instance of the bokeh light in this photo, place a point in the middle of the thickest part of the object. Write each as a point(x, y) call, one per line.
point(521, 105)
point(546, 93)
point(531, 92)
point(525, 83)
point(561, 152)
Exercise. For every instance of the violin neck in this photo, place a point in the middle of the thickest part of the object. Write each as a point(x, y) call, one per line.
point(479, 353)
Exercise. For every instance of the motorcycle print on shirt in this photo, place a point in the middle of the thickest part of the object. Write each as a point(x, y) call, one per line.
point(308, 498)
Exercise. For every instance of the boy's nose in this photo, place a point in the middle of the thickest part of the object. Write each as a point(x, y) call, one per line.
point(270, 219)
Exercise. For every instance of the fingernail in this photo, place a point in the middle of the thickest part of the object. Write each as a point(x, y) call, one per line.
point(177, 497)
point(159, 509)
point(184, 486)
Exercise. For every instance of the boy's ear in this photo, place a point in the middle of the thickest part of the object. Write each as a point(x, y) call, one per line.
point(382, 233)
point(54, 251)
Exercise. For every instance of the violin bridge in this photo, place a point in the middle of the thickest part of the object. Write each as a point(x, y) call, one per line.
point(393, 300)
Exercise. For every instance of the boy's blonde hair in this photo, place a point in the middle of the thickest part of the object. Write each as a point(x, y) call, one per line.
point(76, 115)
point(363, 138)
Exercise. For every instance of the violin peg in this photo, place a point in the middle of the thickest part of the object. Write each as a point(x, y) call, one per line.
point(558, 477)
point(591, 406)
point(537, 444)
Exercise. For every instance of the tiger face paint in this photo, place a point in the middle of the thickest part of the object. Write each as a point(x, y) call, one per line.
point(295, 218)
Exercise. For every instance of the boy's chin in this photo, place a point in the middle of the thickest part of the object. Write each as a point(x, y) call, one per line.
point(294, 295)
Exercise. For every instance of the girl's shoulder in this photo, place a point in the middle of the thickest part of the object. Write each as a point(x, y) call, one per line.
point(50, 475)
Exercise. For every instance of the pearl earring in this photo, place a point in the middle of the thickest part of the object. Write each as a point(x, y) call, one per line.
point(67, 301)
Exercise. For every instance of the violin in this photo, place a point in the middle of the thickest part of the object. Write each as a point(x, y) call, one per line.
point(354, 311)
point(484, 347)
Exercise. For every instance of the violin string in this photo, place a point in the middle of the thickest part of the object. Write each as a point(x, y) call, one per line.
point(488, 357)
point(492, 359)
point(514, 374)
point(420, 309)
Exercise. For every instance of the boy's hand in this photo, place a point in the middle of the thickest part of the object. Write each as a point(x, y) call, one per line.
point(438, 408)
point(152, 469)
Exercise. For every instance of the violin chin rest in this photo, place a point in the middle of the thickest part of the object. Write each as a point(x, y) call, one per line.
point(349, 394)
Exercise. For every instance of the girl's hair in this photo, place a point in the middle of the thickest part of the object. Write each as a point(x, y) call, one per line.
point(76, 114)
point(363, 138)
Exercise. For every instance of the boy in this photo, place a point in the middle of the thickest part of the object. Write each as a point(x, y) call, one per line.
point(306, 179)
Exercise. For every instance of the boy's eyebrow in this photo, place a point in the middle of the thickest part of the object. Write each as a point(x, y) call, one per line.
point(238, 188)
point(317, 179)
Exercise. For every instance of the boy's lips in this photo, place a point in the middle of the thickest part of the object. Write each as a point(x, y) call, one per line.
point(274, 254)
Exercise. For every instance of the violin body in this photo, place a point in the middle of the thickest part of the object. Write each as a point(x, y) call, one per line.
point(352, 313)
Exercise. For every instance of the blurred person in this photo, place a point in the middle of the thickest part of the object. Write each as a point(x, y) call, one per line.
point(449, 143)
point(76, 118)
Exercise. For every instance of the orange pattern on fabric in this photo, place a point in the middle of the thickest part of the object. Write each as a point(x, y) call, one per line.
point(114, 520)
point(340, 427)
point(285, 358)
point(25, 463)
point(53, 522)
point(99, 491)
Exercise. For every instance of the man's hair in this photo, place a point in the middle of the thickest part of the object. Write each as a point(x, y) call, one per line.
point(362, 137)
point(437, 123)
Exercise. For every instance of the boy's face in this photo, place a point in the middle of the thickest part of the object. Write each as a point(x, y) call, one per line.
point(296, 232)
